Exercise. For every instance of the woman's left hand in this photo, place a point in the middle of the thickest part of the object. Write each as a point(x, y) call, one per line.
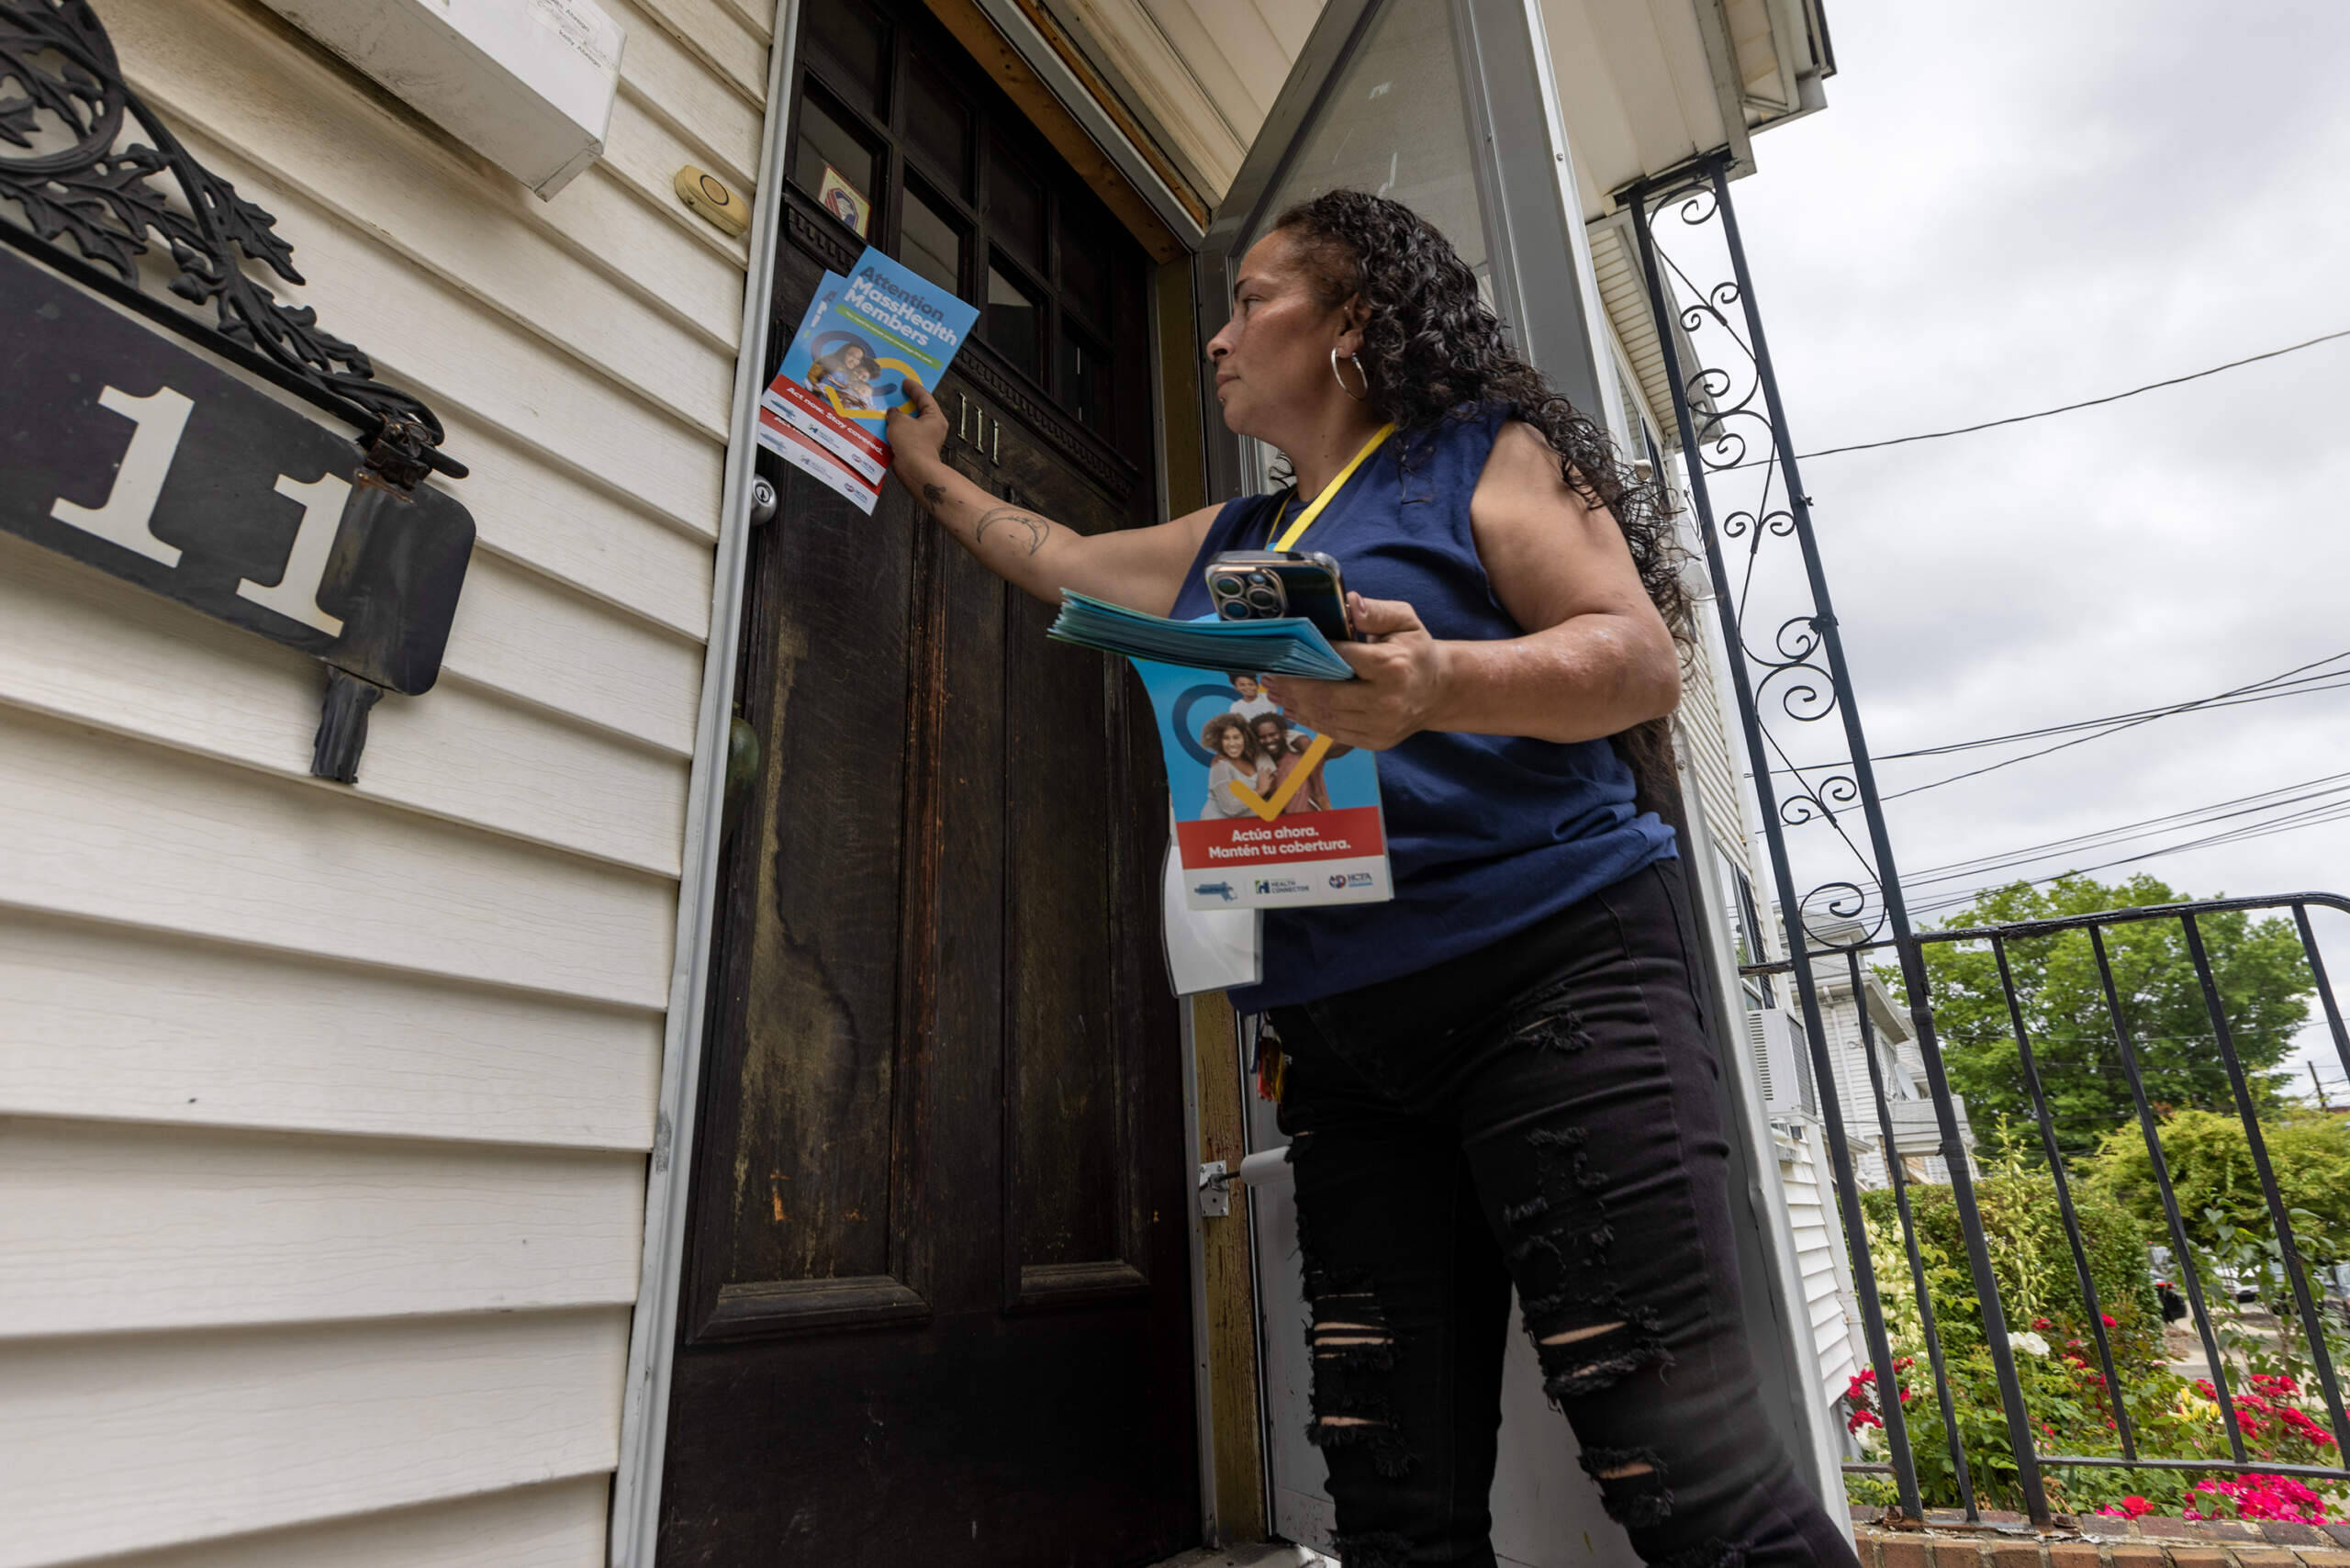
point(1399, 685)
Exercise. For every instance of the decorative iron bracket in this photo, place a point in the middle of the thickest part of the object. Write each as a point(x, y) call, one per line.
point(90, 198)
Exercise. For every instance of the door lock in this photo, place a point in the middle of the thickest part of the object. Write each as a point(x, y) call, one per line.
point(1263, 1169)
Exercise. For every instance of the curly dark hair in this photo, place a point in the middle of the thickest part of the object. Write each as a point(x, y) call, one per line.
point(1433, 350)
point(1212, 735)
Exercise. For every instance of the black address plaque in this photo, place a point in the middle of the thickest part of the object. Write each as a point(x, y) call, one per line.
point(126, 451)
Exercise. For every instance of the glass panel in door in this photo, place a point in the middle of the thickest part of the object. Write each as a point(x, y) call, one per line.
point(1447, 105)
point(1394, 120)
point(1396, 124)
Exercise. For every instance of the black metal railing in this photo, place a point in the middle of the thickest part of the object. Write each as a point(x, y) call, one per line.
point(2308, 1307)
point(1726, 406)
point(1824, 824)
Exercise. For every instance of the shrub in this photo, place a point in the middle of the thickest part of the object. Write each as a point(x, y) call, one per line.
point(2064, 1388)
point(2212, 1172)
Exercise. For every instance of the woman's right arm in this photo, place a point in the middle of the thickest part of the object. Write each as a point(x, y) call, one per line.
point(1141, 568)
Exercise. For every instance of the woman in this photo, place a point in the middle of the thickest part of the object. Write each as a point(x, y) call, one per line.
point(1239, 760)
point(848, 371)
point(1518, 1028)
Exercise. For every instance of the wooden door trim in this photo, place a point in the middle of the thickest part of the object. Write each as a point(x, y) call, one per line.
point(991, 42)
point(1237, 1507)
point(633, 1536)
point(1232, 1482)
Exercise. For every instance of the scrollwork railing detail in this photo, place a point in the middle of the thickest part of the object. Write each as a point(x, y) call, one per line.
point(1813, 777)
point(85, 188)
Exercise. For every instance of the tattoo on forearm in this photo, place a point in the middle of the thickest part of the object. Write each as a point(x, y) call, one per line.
point(1033, 529)
point(932, 495)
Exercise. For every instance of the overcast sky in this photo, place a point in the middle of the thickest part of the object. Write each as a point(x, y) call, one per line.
point(2007, 206)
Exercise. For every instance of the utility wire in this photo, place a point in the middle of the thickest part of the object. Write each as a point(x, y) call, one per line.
point(2311, 817)
point(2066, 409)
point(2238, 835)
point(2113, 729)
point(2194, 816)
point(2327, 791)
point(2290, 684)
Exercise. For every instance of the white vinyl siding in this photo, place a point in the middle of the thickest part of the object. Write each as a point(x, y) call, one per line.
point(1820, 1258)
point(1706, 715)
point(325, 1111)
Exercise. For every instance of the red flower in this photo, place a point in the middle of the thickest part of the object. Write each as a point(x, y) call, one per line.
point(2107, 1319)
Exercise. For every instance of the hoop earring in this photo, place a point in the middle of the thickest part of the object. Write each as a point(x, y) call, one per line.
point(1356, 360)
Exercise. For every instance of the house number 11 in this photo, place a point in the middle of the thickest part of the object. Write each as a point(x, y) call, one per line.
point(157, 422)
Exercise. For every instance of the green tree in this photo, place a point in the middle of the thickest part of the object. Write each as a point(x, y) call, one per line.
point(2258, 966)
point(2212, 1174)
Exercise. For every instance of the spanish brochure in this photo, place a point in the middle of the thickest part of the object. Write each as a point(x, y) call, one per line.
point(1267, 814)
point(862, 336)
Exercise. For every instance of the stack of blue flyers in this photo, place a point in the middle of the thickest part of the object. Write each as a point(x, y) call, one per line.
point(1290, 646)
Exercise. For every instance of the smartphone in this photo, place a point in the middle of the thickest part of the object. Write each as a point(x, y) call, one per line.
point(1263, 585)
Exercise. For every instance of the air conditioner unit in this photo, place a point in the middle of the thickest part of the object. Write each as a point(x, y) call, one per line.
point(1774, 1038)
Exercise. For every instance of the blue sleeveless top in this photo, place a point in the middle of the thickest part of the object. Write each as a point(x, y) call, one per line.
point(1486, 835)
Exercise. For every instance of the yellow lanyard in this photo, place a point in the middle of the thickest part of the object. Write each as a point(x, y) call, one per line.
point(1305, 518)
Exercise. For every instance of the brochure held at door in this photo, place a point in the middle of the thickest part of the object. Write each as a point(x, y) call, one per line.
point(863, 335)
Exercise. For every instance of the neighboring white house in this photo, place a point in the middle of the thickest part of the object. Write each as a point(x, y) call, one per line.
point(1901, 1069)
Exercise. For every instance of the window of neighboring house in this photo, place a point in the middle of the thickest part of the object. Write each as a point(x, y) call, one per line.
point(1739, 892)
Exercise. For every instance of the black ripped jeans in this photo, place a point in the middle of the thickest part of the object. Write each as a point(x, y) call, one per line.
point(1543, 1113)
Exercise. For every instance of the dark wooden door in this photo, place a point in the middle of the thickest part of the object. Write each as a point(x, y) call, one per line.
point(938, 1295)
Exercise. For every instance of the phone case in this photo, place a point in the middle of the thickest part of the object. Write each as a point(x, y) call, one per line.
point(1263, 585)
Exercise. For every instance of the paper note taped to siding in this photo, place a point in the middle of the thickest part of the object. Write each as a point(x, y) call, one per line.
point(585, 27)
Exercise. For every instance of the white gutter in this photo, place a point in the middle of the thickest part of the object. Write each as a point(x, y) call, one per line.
point(652, 1336)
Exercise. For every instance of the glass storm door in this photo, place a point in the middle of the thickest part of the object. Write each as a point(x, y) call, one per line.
point(1447, 105)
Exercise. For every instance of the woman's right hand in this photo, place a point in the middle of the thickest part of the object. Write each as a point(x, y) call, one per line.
point(917, 435)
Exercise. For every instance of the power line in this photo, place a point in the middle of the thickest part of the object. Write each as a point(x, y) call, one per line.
point(2331, 680)
point(2290, 684)
point(2237, 835)
point(2065, 408)
point(2114, 729)
point(2331, 809)
point(2193, 817)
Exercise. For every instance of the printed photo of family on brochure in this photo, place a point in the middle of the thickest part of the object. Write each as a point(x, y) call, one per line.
point(847, 371)
point(1254, 744)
